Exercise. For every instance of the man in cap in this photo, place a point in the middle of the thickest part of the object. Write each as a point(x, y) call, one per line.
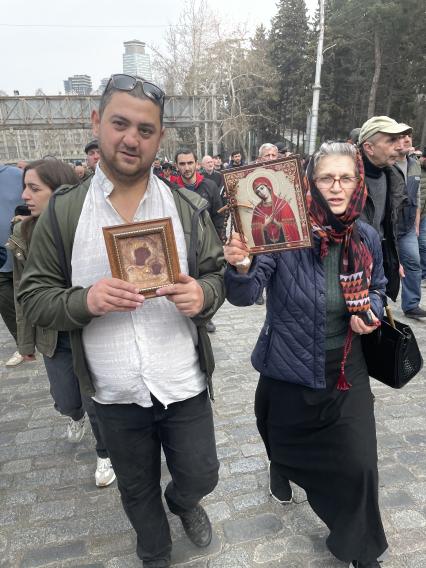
point(92, 151)
point(282, 149)
point(167, 172)
point(379, 140)
point(408, 228)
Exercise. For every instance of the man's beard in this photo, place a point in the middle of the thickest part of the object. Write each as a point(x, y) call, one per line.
point(124, 178)
point(188, 179)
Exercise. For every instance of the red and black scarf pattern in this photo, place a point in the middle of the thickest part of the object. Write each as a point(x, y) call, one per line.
point(356, 261)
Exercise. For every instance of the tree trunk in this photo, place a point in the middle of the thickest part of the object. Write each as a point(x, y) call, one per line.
point(376, 76)
point(198, 141)
point(423, 139)
point(389, 101)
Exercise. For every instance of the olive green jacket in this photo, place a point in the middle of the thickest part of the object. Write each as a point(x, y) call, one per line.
point(29, 336)
point(48, 301)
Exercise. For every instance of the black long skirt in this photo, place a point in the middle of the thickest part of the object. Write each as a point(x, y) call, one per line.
point(325, 441)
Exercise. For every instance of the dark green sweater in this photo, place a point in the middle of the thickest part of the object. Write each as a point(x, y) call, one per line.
point(337, 316)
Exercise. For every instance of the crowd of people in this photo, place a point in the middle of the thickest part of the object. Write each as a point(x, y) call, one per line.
point(142, 368)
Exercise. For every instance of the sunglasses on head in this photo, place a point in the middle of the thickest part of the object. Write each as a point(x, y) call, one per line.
point(128, 83)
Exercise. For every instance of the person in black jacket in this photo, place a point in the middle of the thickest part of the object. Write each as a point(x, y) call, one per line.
point(236, 160)
point(209, 172)
point(186, 163)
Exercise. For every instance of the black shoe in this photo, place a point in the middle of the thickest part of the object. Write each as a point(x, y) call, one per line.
point(415, 313)
point(260, 301)
point(197, 526)
point(357, 564)
point(158, 563)
point(279, 486)
point(210, 326)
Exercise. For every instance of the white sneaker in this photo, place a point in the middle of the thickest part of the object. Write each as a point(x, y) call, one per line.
point(15, 360)
point(76, 429)
point(104, 474)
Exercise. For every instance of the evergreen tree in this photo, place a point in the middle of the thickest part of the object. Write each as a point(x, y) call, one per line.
point(376, 66)
point(289, 40)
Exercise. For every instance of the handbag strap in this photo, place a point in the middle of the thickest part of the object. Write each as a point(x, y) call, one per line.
point(390, 316)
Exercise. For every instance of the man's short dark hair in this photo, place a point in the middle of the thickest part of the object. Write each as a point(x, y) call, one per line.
point(185, 151)
point(136, 92)
point(235, 152)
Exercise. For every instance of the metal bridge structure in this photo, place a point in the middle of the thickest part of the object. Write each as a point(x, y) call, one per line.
point(33, 127)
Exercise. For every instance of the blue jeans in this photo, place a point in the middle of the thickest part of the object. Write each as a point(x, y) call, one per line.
point(65, 390)
point(409, 255)
point(422, 246)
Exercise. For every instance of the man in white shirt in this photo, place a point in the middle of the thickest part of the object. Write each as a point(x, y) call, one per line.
point(147, 364)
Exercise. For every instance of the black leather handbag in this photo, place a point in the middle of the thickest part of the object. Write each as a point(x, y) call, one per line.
point(392, 353)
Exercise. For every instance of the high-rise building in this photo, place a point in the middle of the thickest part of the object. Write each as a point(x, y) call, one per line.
point(78, 85)
point(135, 60)
point(104, 83)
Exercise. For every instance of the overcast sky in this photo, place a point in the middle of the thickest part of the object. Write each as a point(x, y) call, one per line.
point(43, 42)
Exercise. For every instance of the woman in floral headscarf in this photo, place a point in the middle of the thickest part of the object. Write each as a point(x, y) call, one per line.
point(314, 406)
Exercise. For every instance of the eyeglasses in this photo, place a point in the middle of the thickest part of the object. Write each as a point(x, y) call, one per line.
point(327, 182)
point(128, 83)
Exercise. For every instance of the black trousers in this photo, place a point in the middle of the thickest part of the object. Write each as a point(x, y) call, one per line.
point(325, 441)
point(7, 302)
point(134, 436)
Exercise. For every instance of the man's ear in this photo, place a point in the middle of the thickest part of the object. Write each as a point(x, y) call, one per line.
point(96, 119)
point(367, 147)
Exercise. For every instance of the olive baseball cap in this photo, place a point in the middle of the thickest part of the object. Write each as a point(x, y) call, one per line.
point(383, 124)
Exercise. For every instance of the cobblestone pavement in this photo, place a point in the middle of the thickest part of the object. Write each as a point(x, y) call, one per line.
point(52, 514)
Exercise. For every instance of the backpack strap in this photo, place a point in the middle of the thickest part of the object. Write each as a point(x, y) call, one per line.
point(193, 241)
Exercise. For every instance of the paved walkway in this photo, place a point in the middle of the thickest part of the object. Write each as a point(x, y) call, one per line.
point(51, 513)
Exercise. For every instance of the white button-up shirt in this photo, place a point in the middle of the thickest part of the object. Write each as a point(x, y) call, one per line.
point(152, 349)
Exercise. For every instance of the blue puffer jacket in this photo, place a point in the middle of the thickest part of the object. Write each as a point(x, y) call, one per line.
point(291, 345)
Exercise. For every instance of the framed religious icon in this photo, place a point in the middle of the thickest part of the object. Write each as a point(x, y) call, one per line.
point(143, 254)
point(268, 206)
